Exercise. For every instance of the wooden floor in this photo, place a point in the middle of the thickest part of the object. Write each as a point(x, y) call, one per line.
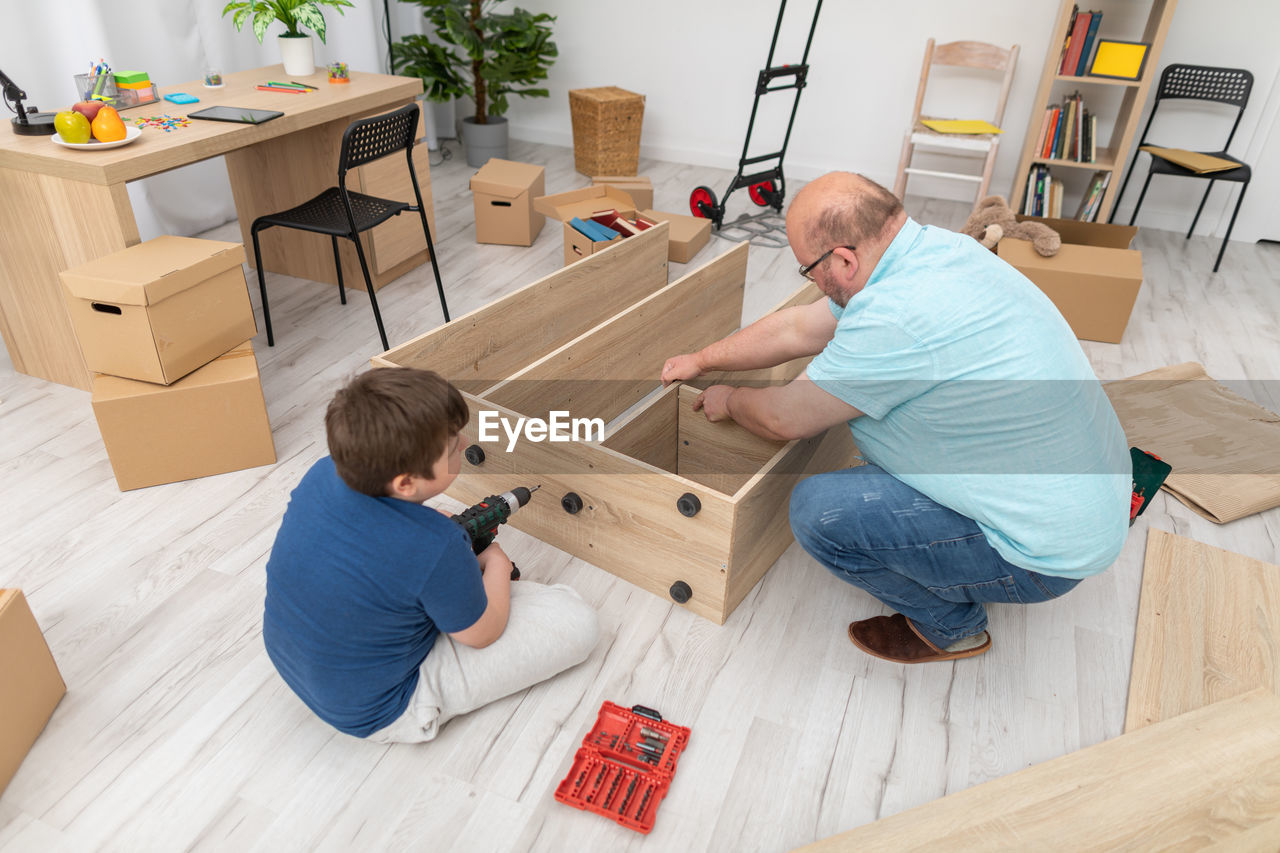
point(177, 734)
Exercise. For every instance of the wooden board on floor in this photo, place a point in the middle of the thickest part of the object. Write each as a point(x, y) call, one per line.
point(1206, 777)
point(1208, 629)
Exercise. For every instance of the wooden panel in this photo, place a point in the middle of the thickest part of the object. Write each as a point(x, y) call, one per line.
point(762, 527)
point(1206, 777)
point(1208, 629)
point(613, 366)
point(155, 152)
point(650, 434)
point(484, 347)
point(50, 224)
point(724, 455)
point(805, 295)
point(629, 524)
point(399, 238)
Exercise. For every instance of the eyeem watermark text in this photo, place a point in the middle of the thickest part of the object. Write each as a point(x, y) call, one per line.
point(560, 427)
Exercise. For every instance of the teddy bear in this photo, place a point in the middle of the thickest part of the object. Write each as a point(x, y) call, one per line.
point(992, 220)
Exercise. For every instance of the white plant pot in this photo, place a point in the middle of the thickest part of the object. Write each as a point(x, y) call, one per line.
point(298, 55)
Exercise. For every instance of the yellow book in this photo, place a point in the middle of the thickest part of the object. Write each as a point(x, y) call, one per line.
point(960, 125)
point(1193, 160)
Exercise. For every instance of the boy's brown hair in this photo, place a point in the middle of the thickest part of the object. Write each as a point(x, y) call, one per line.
point(391, 421)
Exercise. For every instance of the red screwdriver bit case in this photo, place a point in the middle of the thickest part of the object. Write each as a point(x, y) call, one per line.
point(625, 765)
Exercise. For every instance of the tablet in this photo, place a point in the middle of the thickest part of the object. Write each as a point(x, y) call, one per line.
point(243, 115)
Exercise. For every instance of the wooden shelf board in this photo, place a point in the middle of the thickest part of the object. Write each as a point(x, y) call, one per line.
point(1097, 81)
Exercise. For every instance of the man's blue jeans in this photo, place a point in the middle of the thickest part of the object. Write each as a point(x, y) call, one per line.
point(927, 562)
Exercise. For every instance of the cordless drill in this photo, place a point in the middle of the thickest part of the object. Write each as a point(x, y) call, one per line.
point(481, 520)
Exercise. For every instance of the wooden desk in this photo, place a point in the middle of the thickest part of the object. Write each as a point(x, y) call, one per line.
point(61, 207)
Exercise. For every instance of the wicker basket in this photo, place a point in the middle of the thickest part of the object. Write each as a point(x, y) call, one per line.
point(606, 130)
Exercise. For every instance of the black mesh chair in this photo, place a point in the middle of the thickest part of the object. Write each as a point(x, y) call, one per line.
point(339, 212)
point(1224, 85)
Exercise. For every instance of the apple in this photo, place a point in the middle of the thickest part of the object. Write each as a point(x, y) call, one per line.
point(72, 127)
point(88, 109)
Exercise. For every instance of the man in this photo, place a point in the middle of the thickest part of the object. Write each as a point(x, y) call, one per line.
point(997, 470)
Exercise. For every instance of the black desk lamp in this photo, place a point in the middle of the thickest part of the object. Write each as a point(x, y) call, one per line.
point(27, 123)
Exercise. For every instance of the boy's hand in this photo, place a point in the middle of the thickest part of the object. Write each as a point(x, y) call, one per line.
point(497, 558)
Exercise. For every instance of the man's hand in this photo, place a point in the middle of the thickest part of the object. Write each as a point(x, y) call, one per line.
point(714, 402)
point(681, 368)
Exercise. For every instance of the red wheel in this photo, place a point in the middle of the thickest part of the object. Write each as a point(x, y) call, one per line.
point(761, 193)
point(702, 201)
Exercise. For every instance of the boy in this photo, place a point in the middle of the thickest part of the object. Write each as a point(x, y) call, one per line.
point(378, 615)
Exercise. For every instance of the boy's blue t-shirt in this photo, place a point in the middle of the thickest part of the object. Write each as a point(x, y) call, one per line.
point(976, 393)
point(358, 588)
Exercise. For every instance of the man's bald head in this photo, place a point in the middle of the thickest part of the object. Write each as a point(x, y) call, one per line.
point(841, 208)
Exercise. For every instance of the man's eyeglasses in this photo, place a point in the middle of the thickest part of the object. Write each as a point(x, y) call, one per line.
point(808, 268)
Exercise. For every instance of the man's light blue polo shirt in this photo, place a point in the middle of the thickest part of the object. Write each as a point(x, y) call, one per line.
point(977, 394)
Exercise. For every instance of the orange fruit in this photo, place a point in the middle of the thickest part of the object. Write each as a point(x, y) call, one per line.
point(107, 126)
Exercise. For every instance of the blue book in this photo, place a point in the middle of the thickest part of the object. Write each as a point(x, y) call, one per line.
point(1090, 37)
point(597, 232)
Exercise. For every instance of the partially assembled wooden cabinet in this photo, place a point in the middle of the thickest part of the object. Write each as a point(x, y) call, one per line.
point(659, 496)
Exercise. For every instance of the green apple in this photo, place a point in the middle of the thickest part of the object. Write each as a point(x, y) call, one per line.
point(72, 127)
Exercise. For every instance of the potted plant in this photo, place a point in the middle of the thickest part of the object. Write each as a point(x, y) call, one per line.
point(296, 50)
point(482, 54)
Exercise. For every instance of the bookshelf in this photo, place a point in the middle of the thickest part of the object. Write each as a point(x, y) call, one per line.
point(1112, 151)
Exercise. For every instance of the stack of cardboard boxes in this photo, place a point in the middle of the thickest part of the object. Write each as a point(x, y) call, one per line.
point(165, 326)
point(510, 205)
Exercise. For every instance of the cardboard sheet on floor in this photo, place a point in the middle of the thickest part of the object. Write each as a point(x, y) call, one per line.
point(1208, 629)
point(1206, 779)
point(1224, 449)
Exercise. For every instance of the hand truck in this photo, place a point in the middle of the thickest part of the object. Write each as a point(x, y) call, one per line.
point(766, 187)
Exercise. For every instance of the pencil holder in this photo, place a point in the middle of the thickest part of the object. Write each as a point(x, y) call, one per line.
point(100, 86)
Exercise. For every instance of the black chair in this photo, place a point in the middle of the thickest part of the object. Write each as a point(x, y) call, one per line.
point(339, 212)
point(1202, 83)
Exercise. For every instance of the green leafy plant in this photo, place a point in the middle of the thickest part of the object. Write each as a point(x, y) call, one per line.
point(485, 55)
point(294, 14)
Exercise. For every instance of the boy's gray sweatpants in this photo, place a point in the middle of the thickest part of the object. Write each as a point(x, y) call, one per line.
point(549, 629)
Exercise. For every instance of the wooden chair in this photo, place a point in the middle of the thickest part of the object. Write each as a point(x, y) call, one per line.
point(1229, 86)
point(965, 54)
point(340, 212)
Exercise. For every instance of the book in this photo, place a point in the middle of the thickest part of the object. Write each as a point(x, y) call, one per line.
point(1068, 129)
point(1056, 189)
point(1086, 49)
point(962, 126)
point(1044, 130)
point(1199, 163)
point(1078, 31)
point(1066, 44)
point(1057, 133)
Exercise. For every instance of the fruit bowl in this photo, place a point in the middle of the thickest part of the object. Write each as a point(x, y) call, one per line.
point(130, 134)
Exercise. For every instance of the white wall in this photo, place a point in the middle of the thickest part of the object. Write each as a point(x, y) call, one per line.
point(696, 63)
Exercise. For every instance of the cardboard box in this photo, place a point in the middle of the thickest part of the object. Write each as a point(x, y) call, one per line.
point(582, 203)
point(210, 422)
point(1094, 278)
point(503, 192)
point(158, 310)
point(688, 234)
point(638, 187)
point(578, 245)
point(32, 684)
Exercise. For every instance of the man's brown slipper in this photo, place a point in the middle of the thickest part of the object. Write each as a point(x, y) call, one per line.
point(894, 638)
